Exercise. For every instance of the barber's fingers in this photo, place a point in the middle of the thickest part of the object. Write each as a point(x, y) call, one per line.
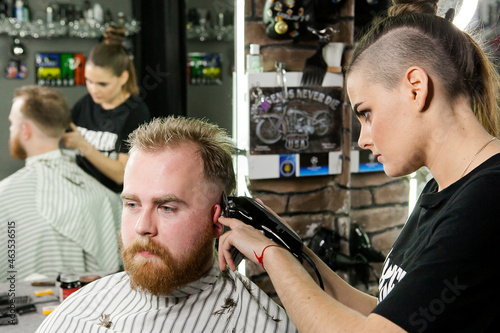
point(70, 139)
point(73, 127)
point(225, 258)
point(244, 237)
point(230, 222)
point(226, 243)
point(65, 138)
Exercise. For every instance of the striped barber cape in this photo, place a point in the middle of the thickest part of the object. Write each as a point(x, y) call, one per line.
point(218, 302)
point(54, 216)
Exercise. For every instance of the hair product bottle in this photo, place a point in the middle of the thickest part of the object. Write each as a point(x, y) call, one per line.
point(254, 59)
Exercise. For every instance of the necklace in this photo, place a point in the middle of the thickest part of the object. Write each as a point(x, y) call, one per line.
point(478, 152)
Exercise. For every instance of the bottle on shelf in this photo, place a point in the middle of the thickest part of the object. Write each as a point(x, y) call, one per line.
point(19, 11)
point(121, 19)
point(254, 59)
point(49, 11)
point(98, 13)
point(26, 11)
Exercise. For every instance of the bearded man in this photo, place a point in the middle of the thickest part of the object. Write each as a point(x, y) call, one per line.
point(174, 179)
point(54, 215)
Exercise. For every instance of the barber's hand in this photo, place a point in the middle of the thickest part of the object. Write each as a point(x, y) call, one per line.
point(73, 139)
point(244, 237)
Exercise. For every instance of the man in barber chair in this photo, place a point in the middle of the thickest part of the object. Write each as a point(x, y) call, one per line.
point(173, 183)
point(53, 214)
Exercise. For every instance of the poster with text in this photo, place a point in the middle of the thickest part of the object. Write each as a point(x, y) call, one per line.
point(297, 120)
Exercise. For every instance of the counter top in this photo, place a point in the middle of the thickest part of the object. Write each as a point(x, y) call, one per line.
point(29, 322)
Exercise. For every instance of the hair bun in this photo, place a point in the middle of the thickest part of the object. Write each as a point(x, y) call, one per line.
point(401, 7)
point(114, 35)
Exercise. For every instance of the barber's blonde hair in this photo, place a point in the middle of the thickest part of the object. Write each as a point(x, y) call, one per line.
point(215, 146)
point(414, 35)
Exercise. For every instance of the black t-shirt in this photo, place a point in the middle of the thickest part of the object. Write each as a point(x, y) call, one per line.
point(107, 130)
point(441, 274)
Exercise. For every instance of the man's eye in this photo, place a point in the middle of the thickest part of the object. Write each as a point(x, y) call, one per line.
point(166, 210)
point(130, 205)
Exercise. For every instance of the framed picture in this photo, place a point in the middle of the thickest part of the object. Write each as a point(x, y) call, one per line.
point(60, 69)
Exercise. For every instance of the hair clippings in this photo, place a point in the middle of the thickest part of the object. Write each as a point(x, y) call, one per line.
point(450, 14)
point(104, 320)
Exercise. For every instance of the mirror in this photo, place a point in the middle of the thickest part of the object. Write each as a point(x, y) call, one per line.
point(210, 60)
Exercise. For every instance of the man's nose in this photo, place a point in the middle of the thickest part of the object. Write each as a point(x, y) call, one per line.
point(146, 225)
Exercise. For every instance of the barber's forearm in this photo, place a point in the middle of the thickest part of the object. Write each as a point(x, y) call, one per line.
point(111, 168)
point(311, 309)
point(339, 289)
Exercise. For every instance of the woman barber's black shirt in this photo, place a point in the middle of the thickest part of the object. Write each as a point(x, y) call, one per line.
point(441, 274)
point(107, 130)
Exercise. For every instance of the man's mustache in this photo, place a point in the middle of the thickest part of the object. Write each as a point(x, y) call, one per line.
point(145, 244)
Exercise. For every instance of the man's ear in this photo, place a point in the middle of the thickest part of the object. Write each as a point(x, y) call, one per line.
point(217, 226)
point(26, 130)
point(417, 84)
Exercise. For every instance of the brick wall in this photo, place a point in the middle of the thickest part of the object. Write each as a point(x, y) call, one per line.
point(379, 204)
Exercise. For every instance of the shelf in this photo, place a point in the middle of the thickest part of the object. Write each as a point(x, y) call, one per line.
point(210, 34)
point(75, 29)
point(333, 78)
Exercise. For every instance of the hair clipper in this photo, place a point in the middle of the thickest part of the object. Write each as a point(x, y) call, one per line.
point(251, 212)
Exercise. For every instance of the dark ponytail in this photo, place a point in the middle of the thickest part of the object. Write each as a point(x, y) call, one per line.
point(111, 54)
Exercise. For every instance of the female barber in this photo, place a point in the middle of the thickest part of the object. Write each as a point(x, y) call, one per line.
point(426, 95)
point(103, 119)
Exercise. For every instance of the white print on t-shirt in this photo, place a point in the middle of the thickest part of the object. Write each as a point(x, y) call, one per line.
point(391, 275)
point(102, 141)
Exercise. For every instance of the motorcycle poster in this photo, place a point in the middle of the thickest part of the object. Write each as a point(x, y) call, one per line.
point(298, 120)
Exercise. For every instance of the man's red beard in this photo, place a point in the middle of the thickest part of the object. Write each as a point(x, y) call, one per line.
point(16, 149)
point(162, 274)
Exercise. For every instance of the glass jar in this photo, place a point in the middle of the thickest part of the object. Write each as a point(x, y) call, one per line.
point(69, 284)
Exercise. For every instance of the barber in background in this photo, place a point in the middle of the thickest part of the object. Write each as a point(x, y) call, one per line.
point(53, 214)
point(174, 179)
point(426, 95)
point(103, 119)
